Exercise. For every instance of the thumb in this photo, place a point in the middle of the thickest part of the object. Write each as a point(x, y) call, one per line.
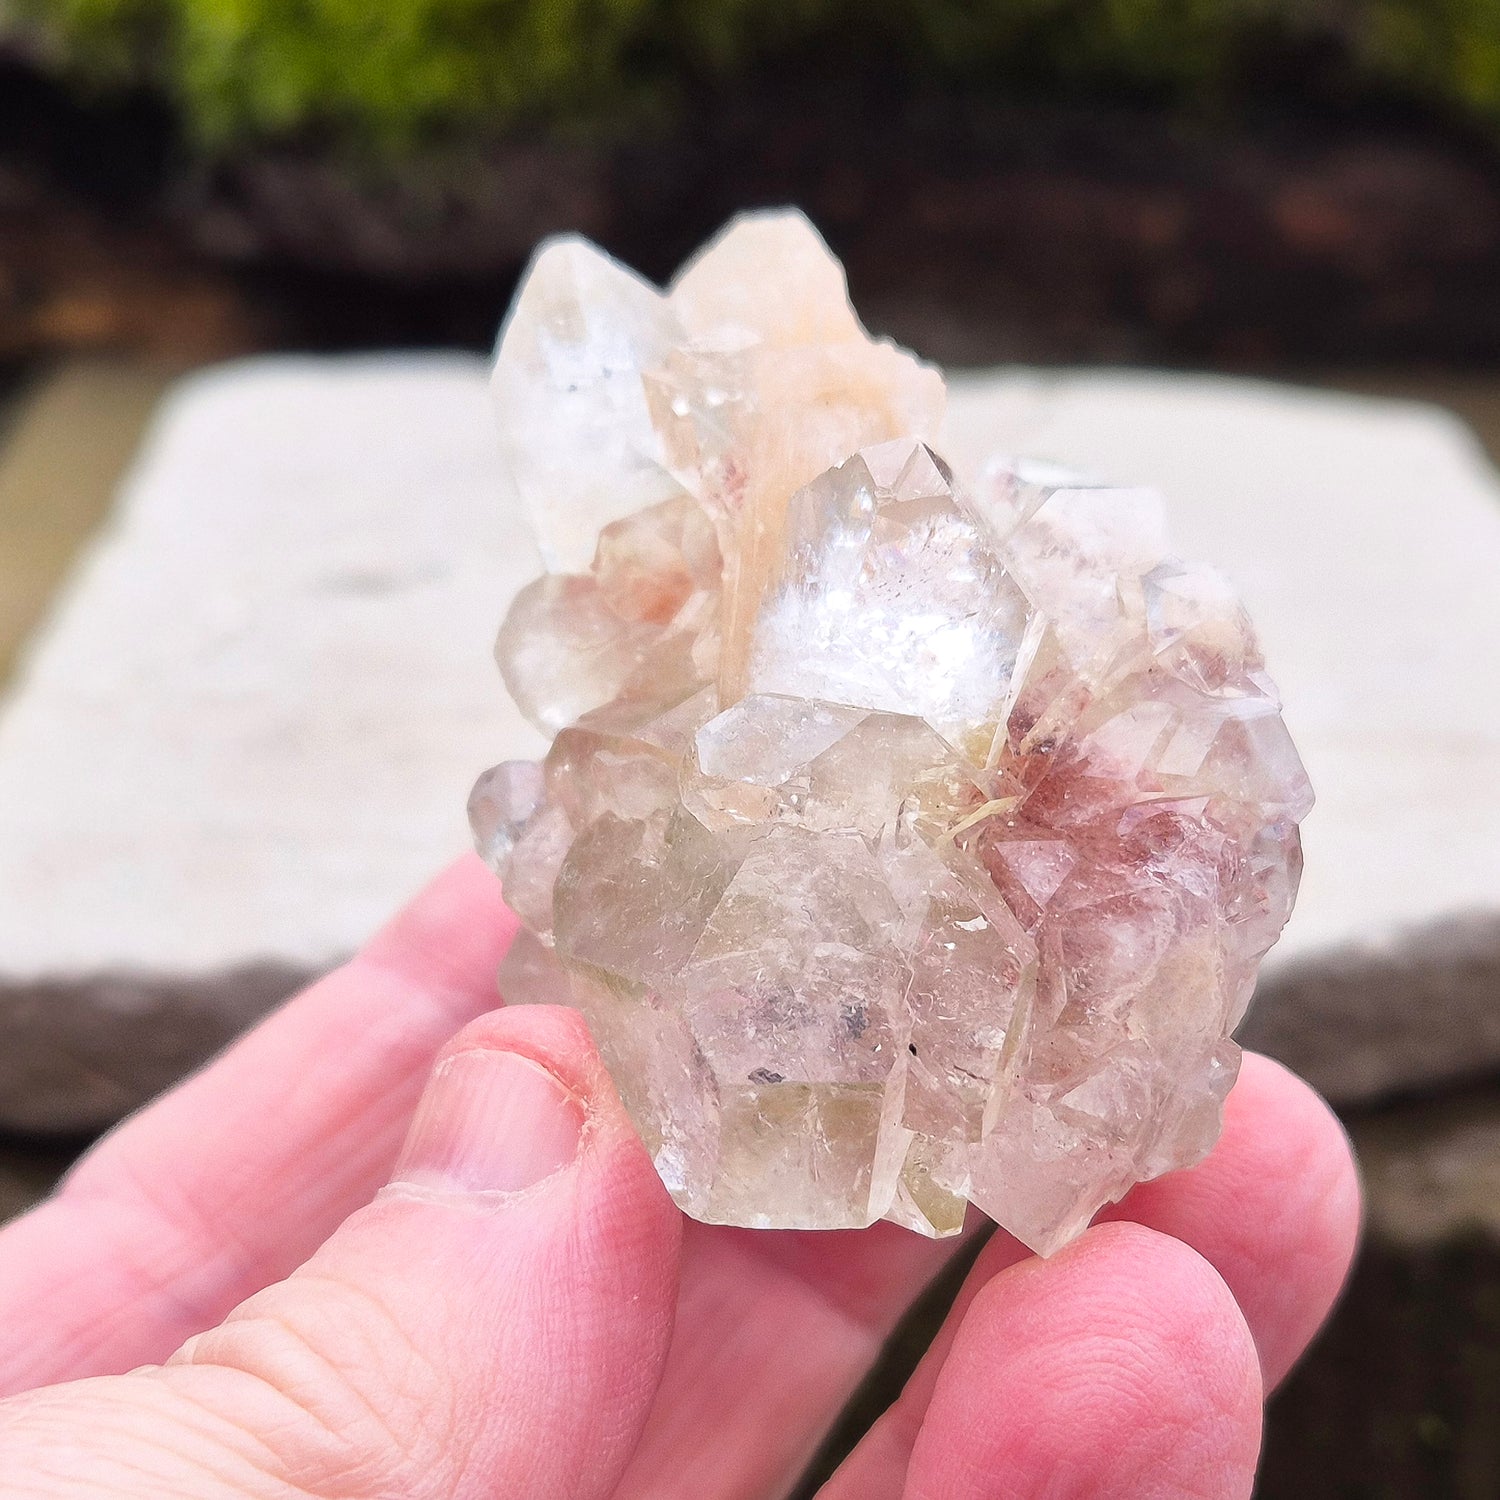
point(494, 1323)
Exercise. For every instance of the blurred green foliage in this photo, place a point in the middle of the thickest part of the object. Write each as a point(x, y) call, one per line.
point(391, 74)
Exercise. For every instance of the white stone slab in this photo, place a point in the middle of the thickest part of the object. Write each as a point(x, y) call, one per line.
point(251, 725)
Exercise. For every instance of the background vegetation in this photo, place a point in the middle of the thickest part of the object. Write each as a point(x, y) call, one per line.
point(391, 76)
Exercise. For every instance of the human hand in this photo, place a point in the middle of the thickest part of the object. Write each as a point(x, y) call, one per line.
point(522, 1311)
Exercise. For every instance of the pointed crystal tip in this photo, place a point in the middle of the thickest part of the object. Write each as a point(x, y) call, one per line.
point(906, 840)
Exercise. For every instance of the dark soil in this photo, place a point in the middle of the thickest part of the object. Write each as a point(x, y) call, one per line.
point(977, 230)
point(1399, 1397)
point(89, 259)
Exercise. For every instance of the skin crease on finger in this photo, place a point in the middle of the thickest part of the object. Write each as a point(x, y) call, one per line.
point(450, 1340)
point(1120, 1368)
point(1274, 1209)
point(987, 1274)
point(232, 1179)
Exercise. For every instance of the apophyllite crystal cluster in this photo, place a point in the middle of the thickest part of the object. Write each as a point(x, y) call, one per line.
point(907, 840)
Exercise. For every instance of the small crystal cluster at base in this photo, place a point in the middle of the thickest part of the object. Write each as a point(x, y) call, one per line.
point(908, 841)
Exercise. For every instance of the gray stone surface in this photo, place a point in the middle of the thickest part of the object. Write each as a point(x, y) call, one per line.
point(1431, 1169)
point(1391, 1013)
point(249, 728)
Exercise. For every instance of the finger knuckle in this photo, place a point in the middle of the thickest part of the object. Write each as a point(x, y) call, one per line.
point(346, 1403)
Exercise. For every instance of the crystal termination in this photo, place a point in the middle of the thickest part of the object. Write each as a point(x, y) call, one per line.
point(906, 842)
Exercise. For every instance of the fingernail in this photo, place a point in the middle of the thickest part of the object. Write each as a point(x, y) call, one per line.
point(490, 1122)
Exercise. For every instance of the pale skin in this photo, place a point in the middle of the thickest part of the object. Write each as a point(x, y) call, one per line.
point(251, 1289)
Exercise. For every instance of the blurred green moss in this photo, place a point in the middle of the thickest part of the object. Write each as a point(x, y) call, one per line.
point(394, 74)
point(386, 72)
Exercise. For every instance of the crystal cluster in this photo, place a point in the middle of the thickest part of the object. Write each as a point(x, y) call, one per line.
point(906, 842)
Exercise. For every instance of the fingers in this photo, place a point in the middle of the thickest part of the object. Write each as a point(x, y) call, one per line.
point(132, 1274)
point(495, 1322)
point(774, 1331)
point(1274, 1209)
point(235, 1177)
point(1121, 1368)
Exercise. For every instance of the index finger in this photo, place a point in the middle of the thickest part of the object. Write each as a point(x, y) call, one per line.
point(236, 1176)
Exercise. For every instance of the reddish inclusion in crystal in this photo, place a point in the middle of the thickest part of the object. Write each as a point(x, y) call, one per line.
point(905, 841)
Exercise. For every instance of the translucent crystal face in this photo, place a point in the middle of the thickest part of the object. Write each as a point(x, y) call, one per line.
point(906, 843)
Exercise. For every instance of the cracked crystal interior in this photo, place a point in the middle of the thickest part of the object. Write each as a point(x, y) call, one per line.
point(907, 841)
